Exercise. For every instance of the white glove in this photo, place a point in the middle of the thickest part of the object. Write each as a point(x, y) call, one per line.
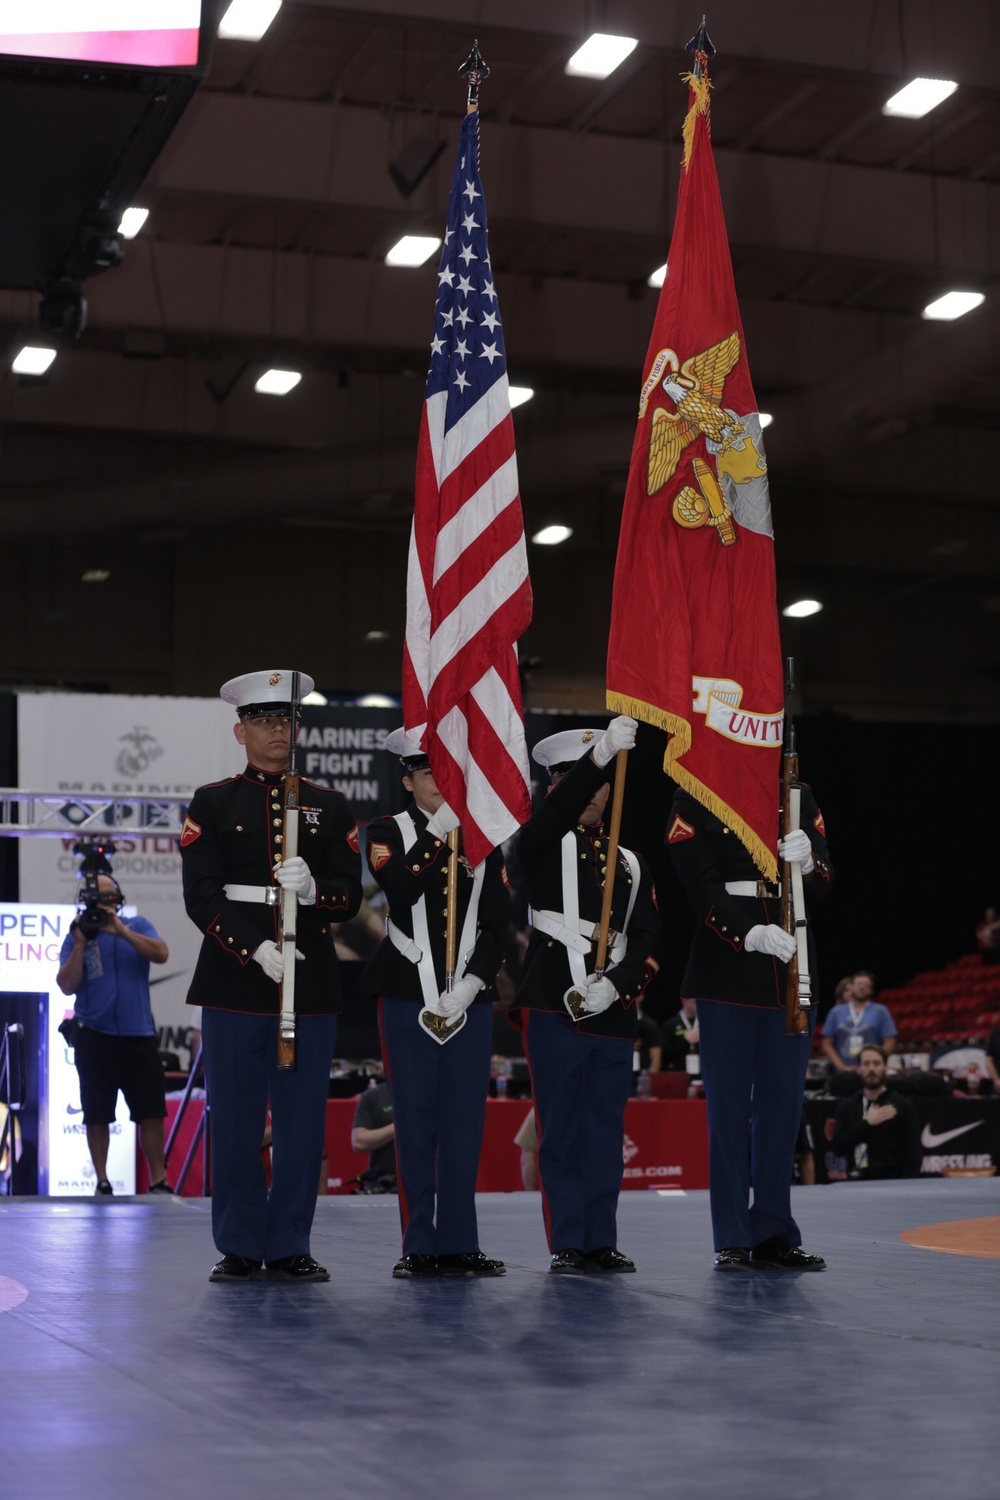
point(294, 875)
point(599, 994)
point(457, 1003)
point(268, 955)
point(442, 822)
point(619, 735)
point(768, 937)
point(796, 848)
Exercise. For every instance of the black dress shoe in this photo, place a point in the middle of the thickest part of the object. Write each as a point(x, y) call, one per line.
point(607, 1259)
point(778, 1255)
point(415, 1265)
point(297, 1268)
point(734, 1258)
point(470, 1263)
point(161, 1187)
point(567, 1263)
point(235, 1268)
point(104, 1189)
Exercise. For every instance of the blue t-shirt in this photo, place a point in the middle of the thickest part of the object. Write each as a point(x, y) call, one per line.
point(114, 994)
point(850, 1033)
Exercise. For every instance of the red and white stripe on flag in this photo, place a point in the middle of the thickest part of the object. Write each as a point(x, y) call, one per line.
point(468, 599)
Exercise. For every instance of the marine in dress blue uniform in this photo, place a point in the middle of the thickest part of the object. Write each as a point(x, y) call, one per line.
point(754, 1073)
point(234, 870)
point(581, 1071)
point(438, 1089)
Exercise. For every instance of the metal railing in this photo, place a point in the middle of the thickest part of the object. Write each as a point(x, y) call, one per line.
point(12, 1093)
point(202, 1135)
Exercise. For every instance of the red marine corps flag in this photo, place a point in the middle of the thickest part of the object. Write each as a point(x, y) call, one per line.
point(468, 597)
point(694, 644)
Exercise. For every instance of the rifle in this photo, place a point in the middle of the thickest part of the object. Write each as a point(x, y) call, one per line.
point(798, 983)
point(572, 999)
point(289, 900)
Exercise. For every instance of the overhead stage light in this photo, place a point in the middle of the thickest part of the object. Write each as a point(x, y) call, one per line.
point(132, 221)
point(32, 360)
point(315, 700)
point(600, 55)
point(658, 277)
point(376, 635)
point(95, 575)
point(802, 609)
point(919, 98)
point(278, 382)
point(551, 536)
point(519, 394)
point(412, 250)
point(765, 419)
point(952, 305)
point(377, 700)
point(247, 20)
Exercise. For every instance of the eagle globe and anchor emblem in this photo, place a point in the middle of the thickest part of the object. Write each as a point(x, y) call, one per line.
point(732, 490)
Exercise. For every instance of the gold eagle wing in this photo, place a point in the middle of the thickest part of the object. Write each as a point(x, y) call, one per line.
point(711, 366)
point(669, 435)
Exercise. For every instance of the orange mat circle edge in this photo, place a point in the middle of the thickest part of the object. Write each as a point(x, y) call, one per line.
point(976, 1237)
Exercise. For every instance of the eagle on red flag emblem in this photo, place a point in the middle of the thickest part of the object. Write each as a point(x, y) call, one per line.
point(700, 656)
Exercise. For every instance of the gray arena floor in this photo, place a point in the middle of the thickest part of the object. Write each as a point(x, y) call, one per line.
point(124, 1374)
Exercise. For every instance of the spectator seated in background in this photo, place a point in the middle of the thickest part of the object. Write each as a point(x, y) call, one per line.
point(679, 1035)
point(993, 1060)
point(855, 1021)
point(988, 936)
point(877, 1129)
point(373, 1131)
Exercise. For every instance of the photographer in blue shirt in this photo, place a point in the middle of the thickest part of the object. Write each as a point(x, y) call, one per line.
point(112, 1032)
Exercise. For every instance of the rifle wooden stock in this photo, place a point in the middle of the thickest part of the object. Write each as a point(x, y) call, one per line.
point(793, 914)
point(441, 1029)
point(573, 1000)
point(289, 929)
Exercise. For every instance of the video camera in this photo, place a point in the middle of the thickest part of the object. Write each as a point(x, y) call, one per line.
point(92, 912)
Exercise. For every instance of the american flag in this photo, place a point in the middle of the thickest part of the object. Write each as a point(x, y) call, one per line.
point(468, 596)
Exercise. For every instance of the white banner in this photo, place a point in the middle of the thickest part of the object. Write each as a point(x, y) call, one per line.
point(110, 743)
point(30, 939)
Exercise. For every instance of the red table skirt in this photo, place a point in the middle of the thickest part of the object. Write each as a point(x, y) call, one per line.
point(666, 1145)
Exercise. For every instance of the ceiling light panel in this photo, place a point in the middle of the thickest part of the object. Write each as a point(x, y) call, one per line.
point(952, 305)
point(33, 360)
point(247, 20)
point(551, 536)
point(600, 55)
point(278, 382)
point(919, 98)
point(412, 250)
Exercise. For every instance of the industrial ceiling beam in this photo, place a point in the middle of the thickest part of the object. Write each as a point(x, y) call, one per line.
point(284, 151)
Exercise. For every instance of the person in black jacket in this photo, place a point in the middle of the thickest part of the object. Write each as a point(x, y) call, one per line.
point(754, 1074)
point(876, 1129)
point(581, 1071)
point(233, 871)
point(439, 1088)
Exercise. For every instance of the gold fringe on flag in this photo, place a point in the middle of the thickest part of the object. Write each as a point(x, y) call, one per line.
point(679, 743)
point(699, 106)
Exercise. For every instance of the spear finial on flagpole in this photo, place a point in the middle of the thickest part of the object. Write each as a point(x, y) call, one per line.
point(700, 49)
point(474, 70)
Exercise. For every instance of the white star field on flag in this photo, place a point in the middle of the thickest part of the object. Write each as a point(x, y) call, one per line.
point(467, 355)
